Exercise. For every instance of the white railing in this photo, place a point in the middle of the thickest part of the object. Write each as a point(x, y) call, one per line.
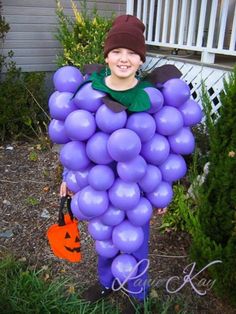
point(207, 26)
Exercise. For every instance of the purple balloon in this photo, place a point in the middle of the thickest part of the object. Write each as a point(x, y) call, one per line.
point(173, 168)
point(182, 142)
point(96, 148)
point(151, 179)
point(67, 79)
point(71, 182)
point(133, 170)
point(88, 98)
point(161, 196)
point(76, 210)
point(106, 248)
point(73, 156)
point(82, 177)
point(80, 125)
point(143, 124)
point(98, 230)
point(140, 214)
point(191, 112)
point(56, 132)
point(175, 92)
point(60, 105)
point(101, 177)
point(124, 195)
point(156, 150)
point(123, 266)
point(92, 202)
point(109, 121)
point(127, 237)
point(113, 216)
point(123, 145)
point(168, 120)
point(156, 99)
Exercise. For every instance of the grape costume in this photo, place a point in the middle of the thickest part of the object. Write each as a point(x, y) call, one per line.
point(121, 157)
point(135, 100)
point(122, 151)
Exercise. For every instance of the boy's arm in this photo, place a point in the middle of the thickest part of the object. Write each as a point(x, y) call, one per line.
point(63, 187)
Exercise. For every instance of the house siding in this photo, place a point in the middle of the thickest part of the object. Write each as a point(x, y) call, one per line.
point(33, 26)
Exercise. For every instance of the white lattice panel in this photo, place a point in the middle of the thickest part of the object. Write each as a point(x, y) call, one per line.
point(195, 75)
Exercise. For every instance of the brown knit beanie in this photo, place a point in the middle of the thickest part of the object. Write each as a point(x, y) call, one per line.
point(126, 32)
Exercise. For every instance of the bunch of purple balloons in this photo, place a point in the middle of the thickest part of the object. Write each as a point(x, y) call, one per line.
point(120, 166)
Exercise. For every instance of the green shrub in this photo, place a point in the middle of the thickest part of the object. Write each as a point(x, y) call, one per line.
point(209, 216)
point(215, 237)
point(174, 219)
point(21, 114)
point(22, 98)
point(4, 26)
point(4, 29)
point(182, 211)
point(82, 38)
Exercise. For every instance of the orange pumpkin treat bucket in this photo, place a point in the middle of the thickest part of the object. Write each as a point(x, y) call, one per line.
point(64, 237)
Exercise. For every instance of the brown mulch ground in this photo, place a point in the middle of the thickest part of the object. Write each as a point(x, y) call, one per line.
point(29, 181)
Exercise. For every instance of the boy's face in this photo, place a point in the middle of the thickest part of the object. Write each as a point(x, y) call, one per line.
point(123, 62)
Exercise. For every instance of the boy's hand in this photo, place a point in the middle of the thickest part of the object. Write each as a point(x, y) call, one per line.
point(64, 190)
point(161, 211)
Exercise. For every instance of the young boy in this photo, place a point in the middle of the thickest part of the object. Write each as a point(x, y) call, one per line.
point(124, 53)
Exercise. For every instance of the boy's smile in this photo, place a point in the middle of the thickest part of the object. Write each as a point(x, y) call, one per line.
point(123, 64)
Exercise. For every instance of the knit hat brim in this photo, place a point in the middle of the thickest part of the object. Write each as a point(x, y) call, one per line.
point(124, 40)
point(126, 32)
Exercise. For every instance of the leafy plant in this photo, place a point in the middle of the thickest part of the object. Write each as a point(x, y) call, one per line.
point(33, 156)
point(32, 201)
point(4, 26)
point(215, 237)
point(175, 217)
point(20, 112)
point(209, 215)
point(21, 96)
point(82, 38)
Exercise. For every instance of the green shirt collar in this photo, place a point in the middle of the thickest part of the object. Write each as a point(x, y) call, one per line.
point(134, 99)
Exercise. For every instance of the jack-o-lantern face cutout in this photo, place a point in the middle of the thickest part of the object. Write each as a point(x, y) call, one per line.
point(76, 247)
point(64, 240)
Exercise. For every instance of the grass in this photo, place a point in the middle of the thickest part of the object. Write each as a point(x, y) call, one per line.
point(25, 290)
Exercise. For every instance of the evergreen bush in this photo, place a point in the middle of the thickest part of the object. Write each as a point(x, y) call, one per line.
point(215, 235)
point(208, 214)
point(81, 37)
